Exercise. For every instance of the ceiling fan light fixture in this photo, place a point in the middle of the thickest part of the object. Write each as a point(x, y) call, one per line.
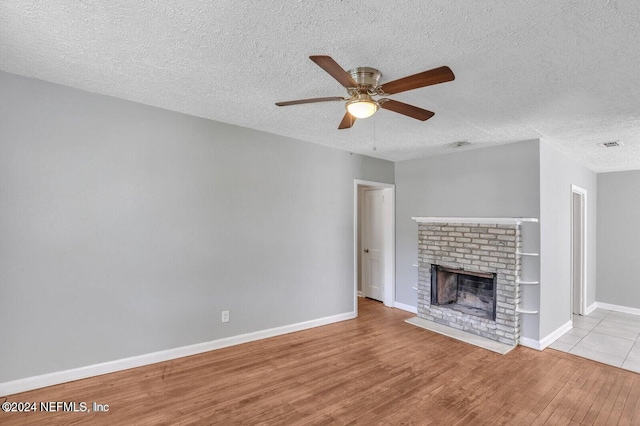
point(362, 106)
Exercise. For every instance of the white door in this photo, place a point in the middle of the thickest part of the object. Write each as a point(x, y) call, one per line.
point(372, 245)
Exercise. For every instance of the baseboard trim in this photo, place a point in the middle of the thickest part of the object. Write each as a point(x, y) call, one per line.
point(618, 308)
point(548, 339)
point(55, 378)
point(555, 335)
point(530, 343)
point(591, 308)
point(408, 308)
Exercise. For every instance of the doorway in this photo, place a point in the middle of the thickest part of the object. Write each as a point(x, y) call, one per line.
point(578, 250)
point(374, 242)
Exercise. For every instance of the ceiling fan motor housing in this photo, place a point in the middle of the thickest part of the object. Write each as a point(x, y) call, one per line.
point(365, 76)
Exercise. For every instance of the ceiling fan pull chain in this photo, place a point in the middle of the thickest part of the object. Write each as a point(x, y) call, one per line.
point(374, 134)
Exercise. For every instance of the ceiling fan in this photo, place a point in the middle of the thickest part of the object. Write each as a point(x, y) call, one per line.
point(362, 85)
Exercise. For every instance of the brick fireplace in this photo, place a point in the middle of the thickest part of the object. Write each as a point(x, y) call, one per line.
point(468, 271)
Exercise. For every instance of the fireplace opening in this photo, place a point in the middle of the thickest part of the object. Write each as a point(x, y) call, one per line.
point(473, 293)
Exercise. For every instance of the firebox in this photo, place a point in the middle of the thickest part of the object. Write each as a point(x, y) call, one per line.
point(470, 292)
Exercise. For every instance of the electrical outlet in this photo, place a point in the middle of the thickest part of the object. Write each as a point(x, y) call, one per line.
point(225, 316)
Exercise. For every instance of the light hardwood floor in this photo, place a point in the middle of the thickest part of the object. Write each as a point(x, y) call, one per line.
point(375, 369)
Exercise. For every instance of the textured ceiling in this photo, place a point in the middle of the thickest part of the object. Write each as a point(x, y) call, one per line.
point(563, 71)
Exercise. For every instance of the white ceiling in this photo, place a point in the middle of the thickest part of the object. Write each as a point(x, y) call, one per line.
point(563, 71)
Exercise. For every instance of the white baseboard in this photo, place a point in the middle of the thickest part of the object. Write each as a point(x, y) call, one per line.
point(548, 339)
point(360, 293)
point(618, 308)
point(530, 343)
point(407, 308)
point(35, 382)
point(591, 308)
point(555, 335)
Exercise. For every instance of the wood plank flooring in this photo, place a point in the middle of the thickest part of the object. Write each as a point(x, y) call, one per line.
point(375, 369)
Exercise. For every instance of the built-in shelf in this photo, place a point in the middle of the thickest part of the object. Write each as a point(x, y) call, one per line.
point(527, 282)
point(527, 254)
point(490, 220)
point(415, 264)
point(525, 311)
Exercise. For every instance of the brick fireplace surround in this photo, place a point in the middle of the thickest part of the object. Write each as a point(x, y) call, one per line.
point(485, 245)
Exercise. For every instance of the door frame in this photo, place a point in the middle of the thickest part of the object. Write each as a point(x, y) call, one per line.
point(389, 240)
point(582, 193)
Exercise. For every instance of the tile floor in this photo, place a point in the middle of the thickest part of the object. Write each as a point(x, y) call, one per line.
point(607, 336)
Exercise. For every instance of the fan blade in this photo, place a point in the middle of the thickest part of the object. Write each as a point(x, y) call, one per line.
point(335, 70)
point(310, 101)
point(347, 121)
point(423, 79)
point(406, 109)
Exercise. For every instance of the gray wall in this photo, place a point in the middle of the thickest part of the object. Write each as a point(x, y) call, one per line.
point(557, 173)
point(619, 238)
point(126, 229)
point(500, 181)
